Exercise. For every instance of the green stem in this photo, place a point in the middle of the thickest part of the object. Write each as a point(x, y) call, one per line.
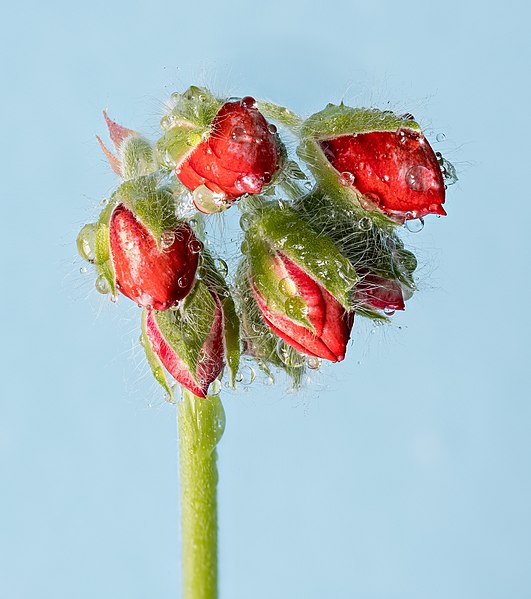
point(201, 423)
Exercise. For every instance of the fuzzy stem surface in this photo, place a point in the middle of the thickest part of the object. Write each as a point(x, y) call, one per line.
point(201, 423)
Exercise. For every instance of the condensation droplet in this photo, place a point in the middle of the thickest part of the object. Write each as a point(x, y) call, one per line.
point(167, 239)
point(313, 362)
point(83, 270)
point(244, 247)
point(195, 246)
point(249, 183)
point(102, 285)
point(166, 122)
point(415, 225)
point(419, 178)
point(289, 356)
point(365, 223)
point(347, 179)
point(248, 102)
point(238, 134)
point(215, 388)
point(296, 307)
point(222, 267)
point(104, 202)
point(440, 137)
point(272, 129)
point(388, 311)
point(114, 299)
point(245, 221)
point(246, 375)
point(207, 201)
point(287, 286)
point(86, 242)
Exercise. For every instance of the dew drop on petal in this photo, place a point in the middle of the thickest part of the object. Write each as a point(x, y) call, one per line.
point(419, 178)
point(102, 285)
point(195, 246)
point(238, 134)
point(415, 225)
point(248, 102)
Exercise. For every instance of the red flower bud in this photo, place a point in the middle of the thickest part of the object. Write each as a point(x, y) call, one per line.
point(239, 156)
point(210, 360)
point(331, 323)
point(396, 171)
point(380, 293)
point(152, 275)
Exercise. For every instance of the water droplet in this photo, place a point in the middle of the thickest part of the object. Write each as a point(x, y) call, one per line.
point(347, 179)
point(287, 286)
point(102, 285)
point(419, 178)
point(248, 102)
point(296, 307)
point(222, 267)
point(249, 183)
point(114, 299)
point(215, 387)
point(415, 225)
point(195, 246)
point(244, 247)
point(408, 116)
point(245, 221)
point(313, 362)
point(246, 375)
point(166, 122)
point(167, 239)
point(238, 134)
point(388, 311)
point(440, 137)
point(272, 129)
point(365, 223)
point(83, 270)
point(104, 202)
point(86, 242)
point(289, 356)
point(182, 282)
point(207, 201)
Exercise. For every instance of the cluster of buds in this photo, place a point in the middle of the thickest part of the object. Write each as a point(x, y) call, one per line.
point(320, 242)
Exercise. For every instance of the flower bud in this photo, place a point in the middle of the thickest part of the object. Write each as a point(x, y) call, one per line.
point(384, 159)
point(301, 284)
point(236, 154)
point(153, 273)
point(379, 293)
point(192, 365)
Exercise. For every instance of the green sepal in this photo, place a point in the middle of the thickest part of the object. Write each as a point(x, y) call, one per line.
point(334, 121)
point(314, 252)
point(367, 312)
point(103, 259)
point(177, 142)
point(153, 360)
point(137, 157)
point(259, 340)
point(196, 106)
point(281, 115)
point(213, 279)
point(153, 205)
point(187, 327)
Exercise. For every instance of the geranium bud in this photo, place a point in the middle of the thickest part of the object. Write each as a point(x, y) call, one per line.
point(153, 273)
point(311, 320)
point(193, 361)
point(380, 293)
point(396, 171)
point(239, 155)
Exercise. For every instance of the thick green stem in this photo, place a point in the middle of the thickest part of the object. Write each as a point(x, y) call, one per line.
point(201, 425)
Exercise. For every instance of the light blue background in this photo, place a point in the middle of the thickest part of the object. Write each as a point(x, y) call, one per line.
point(407, 474)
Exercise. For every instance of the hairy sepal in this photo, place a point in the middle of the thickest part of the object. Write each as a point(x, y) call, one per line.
point(153, 360)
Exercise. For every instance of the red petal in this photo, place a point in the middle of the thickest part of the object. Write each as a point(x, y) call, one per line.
point(169, 358)
point(149, 276)
point(239, 156)
point(380, 293)
point(397, 171)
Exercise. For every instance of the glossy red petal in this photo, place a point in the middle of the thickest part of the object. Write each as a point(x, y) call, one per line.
point(149, 276)
point(240, 155)
point(397, 171)
point(170, 359)
point(380, 293)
